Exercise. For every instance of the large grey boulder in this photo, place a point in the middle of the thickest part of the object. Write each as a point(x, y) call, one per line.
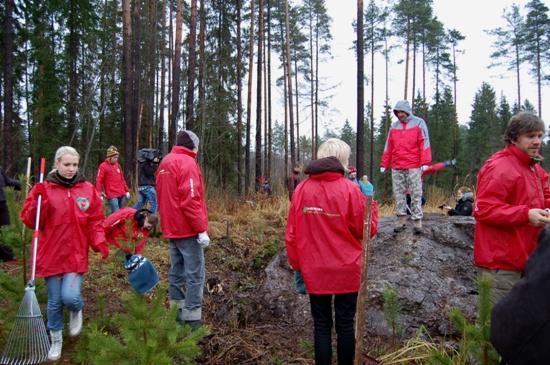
point(431, 272)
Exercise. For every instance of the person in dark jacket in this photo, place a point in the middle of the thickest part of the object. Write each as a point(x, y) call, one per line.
point(323, 239)
point(148, 163)
point(520, 322)
point(464, 203)
point(6, 253)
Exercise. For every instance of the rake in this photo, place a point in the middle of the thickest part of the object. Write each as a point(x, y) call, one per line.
point(28, 341)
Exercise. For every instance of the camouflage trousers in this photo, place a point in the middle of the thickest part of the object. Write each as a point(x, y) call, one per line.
point(407, 181)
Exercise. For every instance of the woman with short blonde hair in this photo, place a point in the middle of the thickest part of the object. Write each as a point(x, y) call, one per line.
point(70, 224)
point(323, 239)
point(336, 148)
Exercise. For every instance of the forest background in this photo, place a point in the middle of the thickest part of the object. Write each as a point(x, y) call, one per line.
point(131, 73)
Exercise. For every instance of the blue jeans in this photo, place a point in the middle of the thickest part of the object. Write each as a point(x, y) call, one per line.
point(147, 193)
point(63, 290)
point(117, 203)
point(186, 276)
point(344, 313)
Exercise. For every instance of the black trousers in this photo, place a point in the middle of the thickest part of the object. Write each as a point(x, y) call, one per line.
point(344, 313)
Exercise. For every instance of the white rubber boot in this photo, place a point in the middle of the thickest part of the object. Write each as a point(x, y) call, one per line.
point(75, 323)
point(57, 343)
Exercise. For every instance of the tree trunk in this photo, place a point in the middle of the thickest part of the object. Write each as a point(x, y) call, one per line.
point(316, 101)
point(170, 136)
point(239, 102)
point(162, 78)
point(72, 73)
point(130, 161)
point(176, 71)
point(371, 155)
point(258, 155)
point(289, 77)
point(189, 109)
point(128, 79)
point(413, 93)
point(518, 62)
point(312, 87)
point(8, 87)
point(202, 73)
point(297, 107)
point(249, 101)
point(360, 158)
point(268, 131)
point(454, 78)
point(407, 58)
point(539, 78)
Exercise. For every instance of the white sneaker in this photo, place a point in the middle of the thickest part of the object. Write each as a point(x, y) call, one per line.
point(57, 343)
point(75, 323)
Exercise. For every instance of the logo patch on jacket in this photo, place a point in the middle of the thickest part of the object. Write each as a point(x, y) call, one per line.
point(317, 210)
point(83, 203)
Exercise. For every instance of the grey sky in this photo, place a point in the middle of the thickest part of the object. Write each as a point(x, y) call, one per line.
point(470, 17)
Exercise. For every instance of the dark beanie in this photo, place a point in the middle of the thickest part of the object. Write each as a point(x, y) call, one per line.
point(187, 139)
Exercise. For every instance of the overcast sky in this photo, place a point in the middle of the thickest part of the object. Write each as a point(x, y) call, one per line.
point(470, 17)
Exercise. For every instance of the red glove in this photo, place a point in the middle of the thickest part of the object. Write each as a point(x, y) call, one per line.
point(104, 250)
point(39, 189)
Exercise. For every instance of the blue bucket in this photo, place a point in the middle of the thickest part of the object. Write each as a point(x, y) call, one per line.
point(142, 275)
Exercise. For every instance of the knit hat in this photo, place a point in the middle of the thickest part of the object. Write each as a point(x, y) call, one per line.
point(112, 151)
point(352, 169)
point(187, 139)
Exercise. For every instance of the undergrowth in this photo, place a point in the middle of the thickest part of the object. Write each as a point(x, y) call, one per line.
point(145, 334)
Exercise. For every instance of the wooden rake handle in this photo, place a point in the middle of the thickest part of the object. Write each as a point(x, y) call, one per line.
point(362, 295)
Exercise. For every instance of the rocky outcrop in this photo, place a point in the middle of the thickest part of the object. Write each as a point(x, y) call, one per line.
point(431, 272)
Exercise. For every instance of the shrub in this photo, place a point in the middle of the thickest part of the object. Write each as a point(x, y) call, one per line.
point(146, 334)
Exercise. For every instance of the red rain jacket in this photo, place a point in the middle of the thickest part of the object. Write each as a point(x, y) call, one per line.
point(70, 222)
point(180, 193)
point(324, 231)
point(122, 231)
point(508, 185)
point(110, 178)
point(407, 145)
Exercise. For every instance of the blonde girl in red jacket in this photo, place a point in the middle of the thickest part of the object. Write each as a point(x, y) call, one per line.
point(324, 236)
point(70, 223)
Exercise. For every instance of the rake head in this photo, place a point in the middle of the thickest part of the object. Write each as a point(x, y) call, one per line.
point(28, 341)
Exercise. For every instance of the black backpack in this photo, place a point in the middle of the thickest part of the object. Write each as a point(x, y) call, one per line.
point(149, 154)
point(520, 323)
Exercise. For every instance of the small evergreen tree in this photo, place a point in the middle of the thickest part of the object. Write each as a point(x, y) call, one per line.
point(147, 334)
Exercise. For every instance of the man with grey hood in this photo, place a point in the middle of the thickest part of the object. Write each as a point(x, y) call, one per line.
point(407, 153)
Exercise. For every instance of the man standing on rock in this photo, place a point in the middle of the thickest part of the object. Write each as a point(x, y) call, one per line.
point(512, 194)
point(407, 152)
point(184, 221)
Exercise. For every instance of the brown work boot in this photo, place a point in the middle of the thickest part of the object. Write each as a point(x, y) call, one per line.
point(417, 226)
point(401, 223)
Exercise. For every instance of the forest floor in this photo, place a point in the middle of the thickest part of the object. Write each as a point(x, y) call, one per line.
point(245, 236)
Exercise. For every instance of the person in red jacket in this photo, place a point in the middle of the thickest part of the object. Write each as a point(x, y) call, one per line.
point(512, 194)
point(184, 221)
point(128, 229)
point(323, 239)
point(110, 182)
point(407, 152)
point(70, 223)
